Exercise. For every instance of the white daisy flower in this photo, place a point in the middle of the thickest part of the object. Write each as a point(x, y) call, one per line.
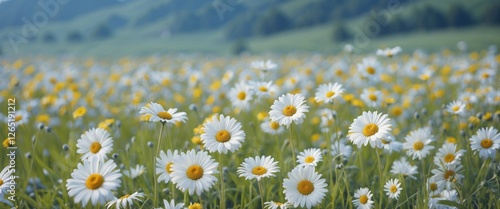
point(222, 134)
point(448, 154)
point(363, 198)
point(6, 179)
point(328, 92)
point(94, 180)
point(135, 172)
point(289, 108)
point(309, 157)
point(388, 52)
point(172, 205)
point(404, 168)
point(264, 65)
point(277, 205)
point(389, 144)
point(271, 127)
point(393, 188)
point(433, 188)
point(369, 127)
point(164, 164)
point(372, 97)
point(418, 142)
point(444, 195)
point(304, 187)
point(486, 142)
point(156, 113)
point(193, 172)
point(447, 175)
point(95, 142)
point(456, 107)
point(263, 89)
point(370, 68)
point(340, 148)
point(21, 117)
point(240, 96)
point(258, 167)
point(127, 201)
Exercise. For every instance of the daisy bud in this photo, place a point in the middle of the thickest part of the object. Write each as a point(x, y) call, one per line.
point(479, 116)
point(416, 115)
point(193, 107)
point(150, 144)
point(41, 126)
point(33, 139)
point(424, 111)
point(132, 140)
point(340, 166)
point(27, 155)
point(127, 147)
point(48, 129)
point(115, 156)
point(46, 152)
point(166, 191)
point(65, 147)
point(462, 133)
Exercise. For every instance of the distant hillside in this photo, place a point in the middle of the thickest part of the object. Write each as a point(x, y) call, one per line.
point(138, 26)
point(12, 12)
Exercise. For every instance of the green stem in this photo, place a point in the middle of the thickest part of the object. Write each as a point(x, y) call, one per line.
point(293, 147)
point(261, 194)
point(222, 189)
point(381, 181)
point(154, 165)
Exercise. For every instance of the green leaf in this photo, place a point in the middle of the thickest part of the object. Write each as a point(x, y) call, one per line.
point(451, 203)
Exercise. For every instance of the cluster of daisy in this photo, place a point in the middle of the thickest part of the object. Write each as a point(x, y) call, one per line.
point(290, 130)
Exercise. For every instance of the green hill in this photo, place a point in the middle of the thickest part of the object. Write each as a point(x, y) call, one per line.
point(148, 27)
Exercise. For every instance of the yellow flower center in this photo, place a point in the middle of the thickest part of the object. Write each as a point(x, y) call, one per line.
point(242, 95)
point(393, 189)
point(309, 159)
point(451, 140)
point(168, 168)
point(330, 94)
point(259, 170)
point(263, 88)
point(455, 108)
point(194, 172)
point(124, 196)
point(385, 141)
point(418, 145)
point(449, 157)
point(363, 199)
point(372, 97)
point(95, 147)
point(289, 110)
point(18, 118)
point(94, 181)
point(370, 129)
point(165, 115)
point(274, 125)
point(370, 70)
point(222, 136)
point(486, 143)
point(1, 182)
point(195, 206)
point(305, 187)
point(433, 186)
point(278, 203)
point(448, 173)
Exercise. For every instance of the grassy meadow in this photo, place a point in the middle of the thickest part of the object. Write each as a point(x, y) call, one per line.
point(59, 99)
